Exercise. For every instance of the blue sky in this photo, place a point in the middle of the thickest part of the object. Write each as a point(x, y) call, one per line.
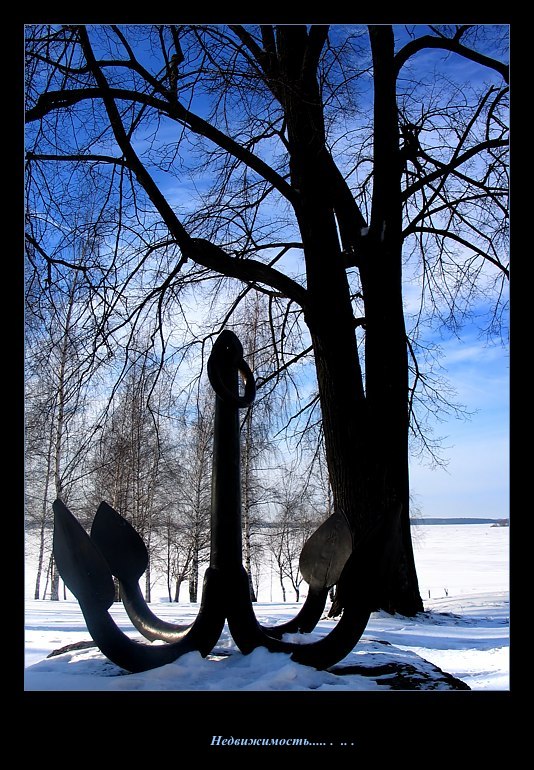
point(476, 480)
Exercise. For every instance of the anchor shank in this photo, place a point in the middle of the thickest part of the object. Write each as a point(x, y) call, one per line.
point(226, 538)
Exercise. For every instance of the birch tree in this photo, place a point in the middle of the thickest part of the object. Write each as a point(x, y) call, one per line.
point(128, 466)
point(57, 418)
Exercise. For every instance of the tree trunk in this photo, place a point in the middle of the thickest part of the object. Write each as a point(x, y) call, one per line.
point(117, 590)
point(246, 503)
point(40, 562)
point(177, 587)
point(282, 586)
point(365, 432)
point(47, 577)
point(54, 581)
point(148, 588)
point(386, 360)
point(193, 579)
point(44, 513)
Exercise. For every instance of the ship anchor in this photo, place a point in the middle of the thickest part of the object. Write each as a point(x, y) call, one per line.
point(88, 562)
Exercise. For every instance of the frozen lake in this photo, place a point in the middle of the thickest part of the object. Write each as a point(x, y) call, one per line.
point(464, 580)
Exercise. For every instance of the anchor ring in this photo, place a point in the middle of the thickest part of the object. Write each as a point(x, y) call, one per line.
point(228, 346)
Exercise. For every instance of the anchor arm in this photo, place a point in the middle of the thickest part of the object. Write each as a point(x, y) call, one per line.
point(127, 558)
point(323, 653)
point(87, 575)
point(362, 571)
point(308, 617)
point(146, 622)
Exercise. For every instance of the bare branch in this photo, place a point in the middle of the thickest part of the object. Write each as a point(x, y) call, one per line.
point(53, 260)
point(454, 237)
point(447, 168)
point(448, 44)
point(53, 100)
point(200, 250)
point(80, 157)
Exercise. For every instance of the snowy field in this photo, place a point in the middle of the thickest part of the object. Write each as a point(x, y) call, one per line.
point(464, 581)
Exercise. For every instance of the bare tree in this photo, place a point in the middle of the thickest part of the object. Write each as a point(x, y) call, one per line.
point(252, 319)
point(58, 428)
point(193, 521)
point(295, 519)
point(127, 472)
point(338, 170)
point(172, 550)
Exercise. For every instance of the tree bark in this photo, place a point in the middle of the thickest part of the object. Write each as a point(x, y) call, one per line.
point(246, 500)
point(386, 356)
point(178, 585)
point(366, 432)
point(193, 578)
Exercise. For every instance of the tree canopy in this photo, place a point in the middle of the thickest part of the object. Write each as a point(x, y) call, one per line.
point(354, 176)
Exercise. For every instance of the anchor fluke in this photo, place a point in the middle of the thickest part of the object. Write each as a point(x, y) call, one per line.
point(326, 552)
point(119, 543)
point(127, 557)
point(81, 565)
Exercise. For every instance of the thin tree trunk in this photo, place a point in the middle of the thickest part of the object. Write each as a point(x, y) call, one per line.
point(44, 514)
point(54, 584)
point(148, 587)
point(193, 577)
point(247, 481)
point(47, 578)
point(40, 561)
point(60, 424)
point(282, 586)
point(168, 567)
point(178, 585)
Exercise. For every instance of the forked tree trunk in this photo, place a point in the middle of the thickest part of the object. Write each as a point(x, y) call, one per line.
point(365, 429)
point(177, 586)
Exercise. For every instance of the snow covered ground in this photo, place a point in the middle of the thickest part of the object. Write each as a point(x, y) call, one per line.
point(464, 581)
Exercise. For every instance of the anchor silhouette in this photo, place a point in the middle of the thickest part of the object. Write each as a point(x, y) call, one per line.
point(88, 562)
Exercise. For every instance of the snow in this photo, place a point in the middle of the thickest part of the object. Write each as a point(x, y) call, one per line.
point(463, 574)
